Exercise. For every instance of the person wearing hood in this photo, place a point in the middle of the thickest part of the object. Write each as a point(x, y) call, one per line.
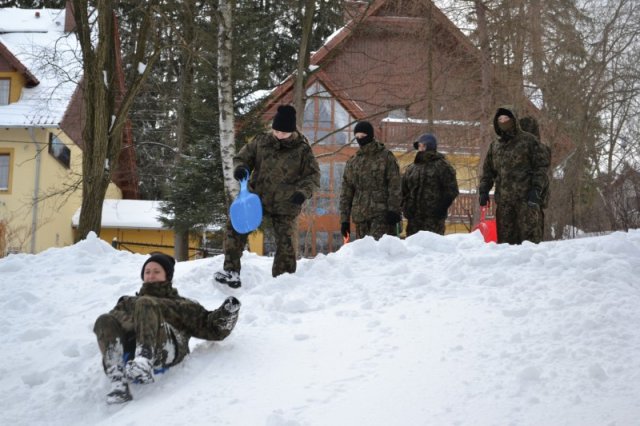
point(429, 187)
point(147, 333)
point(371, 188)
point(284, 173)
point(517, 165)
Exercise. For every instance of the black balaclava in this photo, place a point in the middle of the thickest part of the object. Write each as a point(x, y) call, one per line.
point(364, 127)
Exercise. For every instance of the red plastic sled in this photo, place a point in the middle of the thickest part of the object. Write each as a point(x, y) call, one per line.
point(487, 227)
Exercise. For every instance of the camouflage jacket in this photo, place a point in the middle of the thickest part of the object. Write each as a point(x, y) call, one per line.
point(532, 127)
point(515, 163)
point(278, 170)
point(429, 186)
point(186, 317)
point(371, 184)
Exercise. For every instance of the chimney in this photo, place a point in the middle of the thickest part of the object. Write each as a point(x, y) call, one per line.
point(69, 22)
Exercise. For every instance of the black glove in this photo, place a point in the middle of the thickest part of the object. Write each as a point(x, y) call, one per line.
point(392, 218)
point(297, 198)
point(345, 229)
point(442, 211)
point(240, 172)
point(484, 199)
point(231, 304)
point(533, 199)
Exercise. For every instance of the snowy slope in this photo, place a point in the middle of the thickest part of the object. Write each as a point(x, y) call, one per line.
point(427, 331)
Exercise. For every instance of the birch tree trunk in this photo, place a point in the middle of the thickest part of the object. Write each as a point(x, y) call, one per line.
point(225, 97)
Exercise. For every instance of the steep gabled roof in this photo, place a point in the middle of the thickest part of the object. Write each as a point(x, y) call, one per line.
point(341, 36)
point(6, 54)
point(35, 44)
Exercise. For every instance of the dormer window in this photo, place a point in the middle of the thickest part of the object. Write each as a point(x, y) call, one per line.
point(5, 90)
point(59, 150)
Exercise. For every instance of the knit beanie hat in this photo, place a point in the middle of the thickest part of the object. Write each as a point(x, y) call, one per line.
point(285, 119)
point(363, 127)
point(428, 140)
point(167, 262)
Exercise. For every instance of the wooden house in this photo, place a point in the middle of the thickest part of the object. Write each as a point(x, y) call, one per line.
point(406, 68)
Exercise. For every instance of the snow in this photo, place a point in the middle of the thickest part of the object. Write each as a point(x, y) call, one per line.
point(52, 56)
point(430, 330)
point(139, 214)
point(435, 122)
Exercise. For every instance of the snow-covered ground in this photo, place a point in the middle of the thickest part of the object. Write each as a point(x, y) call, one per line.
point(427, 331)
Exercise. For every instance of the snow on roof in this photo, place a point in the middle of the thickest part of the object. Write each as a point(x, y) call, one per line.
point(51, 55)
point(128, 214)
point(138, 214)
point(435, 122)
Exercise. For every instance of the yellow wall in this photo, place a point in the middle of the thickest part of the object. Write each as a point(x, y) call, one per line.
point(162, 237)
point(17, 83)
point(256, 242)
point(54, 210)
point(466, 167)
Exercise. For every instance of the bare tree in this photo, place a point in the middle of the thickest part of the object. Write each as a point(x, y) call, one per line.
point(303, 61)
point(105, 106)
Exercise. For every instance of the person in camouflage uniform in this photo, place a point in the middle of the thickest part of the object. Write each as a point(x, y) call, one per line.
point(284, 173)
point(149, 332)
point(518, 165)
point(371, 188)
point(530, 125)
point(429, 187)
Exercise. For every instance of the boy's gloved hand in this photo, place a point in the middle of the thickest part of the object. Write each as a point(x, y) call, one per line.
point(533, 200)
point(231, 304)
point(345, 229)
point(240, 172)
point(297, 198)
point(484, 199)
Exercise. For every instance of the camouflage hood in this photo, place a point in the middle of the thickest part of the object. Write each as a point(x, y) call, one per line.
point(510, 111)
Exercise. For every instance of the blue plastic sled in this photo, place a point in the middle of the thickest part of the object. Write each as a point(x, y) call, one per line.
point(246, 210)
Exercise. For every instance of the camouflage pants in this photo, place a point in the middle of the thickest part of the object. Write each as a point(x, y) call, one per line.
point(284, 229)
point(517, 222)
point(151, 337)
point(431, 224)
point(376, 228)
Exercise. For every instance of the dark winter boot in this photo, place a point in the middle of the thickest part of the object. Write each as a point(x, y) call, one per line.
point(140, 368)
point(119, 387)
point(230, 278)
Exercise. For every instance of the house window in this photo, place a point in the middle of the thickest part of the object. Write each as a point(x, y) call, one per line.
point(328, 198)
point(322, 242)
point(325, 119)
point(59, 150)
point(5, 90)
point(5, 171)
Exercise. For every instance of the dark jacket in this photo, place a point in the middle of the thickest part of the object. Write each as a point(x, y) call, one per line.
point(279, 169)
point(515, 163)
point(429, 186)
point(371, 184)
